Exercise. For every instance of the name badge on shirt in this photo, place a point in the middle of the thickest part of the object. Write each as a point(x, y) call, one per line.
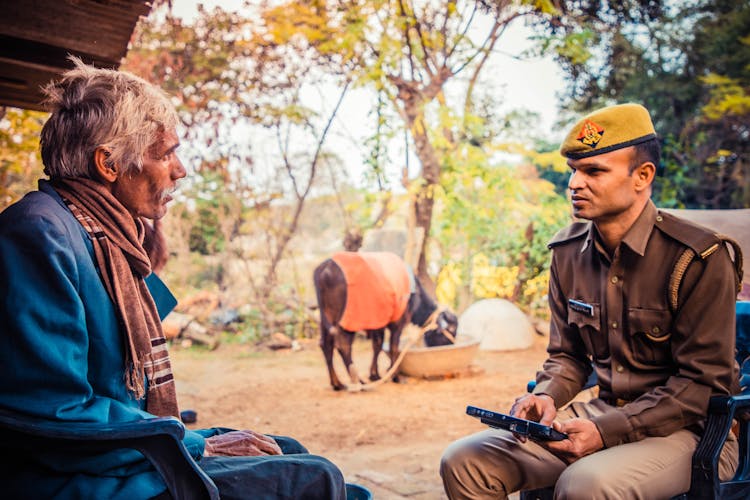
point(581, 307)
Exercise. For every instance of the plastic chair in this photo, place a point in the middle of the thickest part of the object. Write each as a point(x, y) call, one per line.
point(722, 410)
point(357, 492)
point(158, 439)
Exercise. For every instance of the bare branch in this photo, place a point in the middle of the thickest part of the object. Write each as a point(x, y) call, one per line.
point(385, 211)
point(339, 199)
point(462, 35)
point(284, 148)
point(494, 36)
point(444, 29)
point(288, 232)
point(429, 64)
point(497, 29)
point(407, 37)
point(323, 135)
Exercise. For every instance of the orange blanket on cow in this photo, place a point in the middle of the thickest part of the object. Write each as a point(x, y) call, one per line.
point(377, 289)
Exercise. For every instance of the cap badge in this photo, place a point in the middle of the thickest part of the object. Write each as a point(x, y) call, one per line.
point(590, 134)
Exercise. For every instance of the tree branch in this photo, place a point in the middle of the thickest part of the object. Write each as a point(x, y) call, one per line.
point(490, 41)
point(407, 38)
point(288, 232)
point(427, 60)
point(283, 148)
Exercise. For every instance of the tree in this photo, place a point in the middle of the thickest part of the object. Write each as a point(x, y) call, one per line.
point(20, 163)
point(232, 86)
point(409, 51)
point(496, 216)
point(689, 63)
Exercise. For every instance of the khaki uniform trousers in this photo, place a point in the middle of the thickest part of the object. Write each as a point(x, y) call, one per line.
point(493, 463)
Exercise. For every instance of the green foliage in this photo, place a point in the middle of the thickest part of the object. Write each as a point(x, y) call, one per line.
point(228, 70)
point(377, 143)
point(20, 162)
point(551, 165)
point(408, 52)
point(504, 212)
point(294, 322)
point(573, 47)
point(728, 97)
point(209, 195)
point(239, 82)
point(689, 64)
point(189, 273)
point(252, 328)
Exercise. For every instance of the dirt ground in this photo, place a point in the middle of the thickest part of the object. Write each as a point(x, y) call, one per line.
point(389, 439)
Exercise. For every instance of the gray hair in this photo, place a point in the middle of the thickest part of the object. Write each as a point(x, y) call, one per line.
point(92, 108)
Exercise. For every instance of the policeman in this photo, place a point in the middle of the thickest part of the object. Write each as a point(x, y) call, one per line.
point(646, 301)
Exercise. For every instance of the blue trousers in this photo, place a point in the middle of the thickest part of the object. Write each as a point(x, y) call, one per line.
point(294, 475)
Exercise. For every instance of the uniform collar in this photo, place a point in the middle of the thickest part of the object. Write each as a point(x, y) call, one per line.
point(590, 238)
point(637, 236)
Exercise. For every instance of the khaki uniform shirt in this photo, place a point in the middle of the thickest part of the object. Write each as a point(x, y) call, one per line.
point(656, 370)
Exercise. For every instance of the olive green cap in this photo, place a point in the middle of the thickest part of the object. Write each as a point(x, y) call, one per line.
point(608, 129)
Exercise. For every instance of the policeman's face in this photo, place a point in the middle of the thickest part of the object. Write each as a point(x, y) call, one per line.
point(602, 187)
point(146, 193)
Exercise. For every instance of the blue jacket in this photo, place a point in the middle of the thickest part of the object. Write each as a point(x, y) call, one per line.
point(61, 354)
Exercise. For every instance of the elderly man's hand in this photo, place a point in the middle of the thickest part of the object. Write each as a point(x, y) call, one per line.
point(241, 444)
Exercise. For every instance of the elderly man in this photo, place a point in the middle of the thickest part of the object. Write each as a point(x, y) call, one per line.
point(645, 298)
point(81, 338)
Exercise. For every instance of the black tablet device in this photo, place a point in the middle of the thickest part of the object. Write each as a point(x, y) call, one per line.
point(533, 430)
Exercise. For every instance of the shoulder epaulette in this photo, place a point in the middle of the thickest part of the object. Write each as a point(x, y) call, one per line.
point(570, 233)
point(738, 259)
point(700, 239)
point(700, 242)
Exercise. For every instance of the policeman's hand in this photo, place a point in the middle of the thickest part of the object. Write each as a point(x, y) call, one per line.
point(241, 444)
point(583, 439)
point(537, 407)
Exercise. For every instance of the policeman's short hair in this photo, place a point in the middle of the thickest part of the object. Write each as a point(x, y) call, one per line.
point(649, 151)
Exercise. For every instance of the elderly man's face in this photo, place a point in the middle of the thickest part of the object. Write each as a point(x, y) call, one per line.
point(146, 193)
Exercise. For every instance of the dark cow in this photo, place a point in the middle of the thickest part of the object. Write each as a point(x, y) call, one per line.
point(331, 290)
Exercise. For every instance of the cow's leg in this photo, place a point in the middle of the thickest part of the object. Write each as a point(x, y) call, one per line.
point(344, 342)
point(393, 349)
point(327, 340)
point(330, 290)
point(377, 346)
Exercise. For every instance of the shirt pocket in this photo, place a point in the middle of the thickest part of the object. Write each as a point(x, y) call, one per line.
point(649, 337)
point(590, 329)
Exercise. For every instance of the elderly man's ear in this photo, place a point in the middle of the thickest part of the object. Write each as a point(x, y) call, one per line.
point(105, 167)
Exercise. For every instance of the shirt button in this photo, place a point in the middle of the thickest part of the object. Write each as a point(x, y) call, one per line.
point(620, 369)
point(614, 324)
point(659, 218)
point(614, 279)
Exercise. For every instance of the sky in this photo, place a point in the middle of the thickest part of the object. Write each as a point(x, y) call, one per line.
point(530, 84)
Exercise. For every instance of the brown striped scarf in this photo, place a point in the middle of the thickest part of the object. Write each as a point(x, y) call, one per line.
point(123, 263)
